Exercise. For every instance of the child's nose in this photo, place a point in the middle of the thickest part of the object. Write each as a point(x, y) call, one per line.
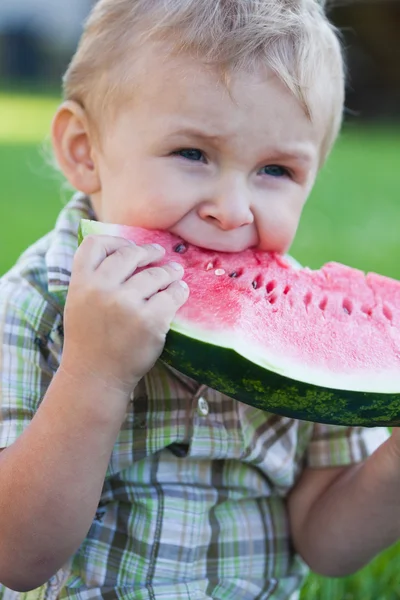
point(229, 208)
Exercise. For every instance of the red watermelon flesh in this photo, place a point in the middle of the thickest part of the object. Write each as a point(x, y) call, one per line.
point(335, 327)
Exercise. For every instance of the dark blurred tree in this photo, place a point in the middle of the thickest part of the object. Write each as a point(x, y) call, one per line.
point(371, 32)
point(22, 56)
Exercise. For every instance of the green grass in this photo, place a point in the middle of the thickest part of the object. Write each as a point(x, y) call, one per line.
point(351, 217)
point(24, 118)
point(353, 213)
point(30, 187)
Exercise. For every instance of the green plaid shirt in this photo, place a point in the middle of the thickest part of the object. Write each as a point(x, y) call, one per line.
point(193, 504)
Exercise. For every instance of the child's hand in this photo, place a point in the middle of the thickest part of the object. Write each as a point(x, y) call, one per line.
point(116, 320)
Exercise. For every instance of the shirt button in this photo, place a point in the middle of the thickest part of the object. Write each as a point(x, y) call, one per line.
point(202, 407)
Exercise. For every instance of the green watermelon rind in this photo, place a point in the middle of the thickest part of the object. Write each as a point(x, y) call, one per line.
point(290, 366)
point(87, 227)
point(228, 372)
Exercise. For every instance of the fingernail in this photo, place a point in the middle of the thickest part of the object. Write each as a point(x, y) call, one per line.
point(184, 285)
point(158, 247)
point(175, 266)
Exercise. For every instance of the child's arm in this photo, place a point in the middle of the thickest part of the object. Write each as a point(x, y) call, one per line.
point(342, 517)
point(51, 478)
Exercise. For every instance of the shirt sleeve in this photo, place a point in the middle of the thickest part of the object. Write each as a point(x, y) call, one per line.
point(29, 339)
point(335, 446)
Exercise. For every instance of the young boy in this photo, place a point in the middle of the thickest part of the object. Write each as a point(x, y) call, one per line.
point(119, 477)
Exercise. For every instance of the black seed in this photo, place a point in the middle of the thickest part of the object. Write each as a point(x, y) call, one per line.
point(258, 281)
point(234, 274)
point(180, 248)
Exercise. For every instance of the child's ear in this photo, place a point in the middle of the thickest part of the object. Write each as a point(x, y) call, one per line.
point(73, 147)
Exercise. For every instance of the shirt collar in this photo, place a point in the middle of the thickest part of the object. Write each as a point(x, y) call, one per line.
point(64, 243)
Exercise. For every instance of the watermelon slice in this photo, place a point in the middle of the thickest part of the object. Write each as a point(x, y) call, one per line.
point(319, 345)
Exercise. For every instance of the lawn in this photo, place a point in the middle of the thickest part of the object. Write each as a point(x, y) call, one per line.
point(352, 217)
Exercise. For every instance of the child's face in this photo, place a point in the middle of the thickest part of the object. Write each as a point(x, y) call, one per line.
point(225, 170)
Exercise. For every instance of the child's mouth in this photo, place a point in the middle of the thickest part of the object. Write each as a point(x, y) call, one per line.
point(217, 246)
point(224, 241)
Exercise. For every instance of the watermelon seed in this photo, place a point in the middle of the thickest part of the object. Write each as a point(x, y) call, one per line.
point(236, 274)
point(257, 282)
point(286, 290)
point(271, 285)
point(387, 313)
point(220, 271)
point(209, 266)
point(180, 249)
point(272, 299)
point(323, 304)
point(347, 306)
point(307, 299)
point(366, 310)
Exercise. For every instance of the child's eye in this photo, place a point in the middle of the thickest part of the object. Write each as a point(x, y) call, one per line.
point(191, 154)
point(275, 171)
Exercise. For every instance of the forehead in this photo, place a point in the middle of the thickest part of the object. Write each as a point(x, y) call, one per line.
point(175, 91)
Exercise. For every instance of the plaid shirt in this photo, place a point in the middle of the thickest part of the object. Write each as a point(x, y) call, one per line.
point(193, 504)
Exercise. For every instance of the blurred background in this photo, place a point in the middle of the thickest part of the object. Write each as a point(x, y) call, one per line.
point(353, 215)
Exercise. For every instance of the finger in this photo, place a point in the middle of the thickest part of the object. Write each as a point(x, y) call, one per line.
point(95, 249)
point(149, 254)
point(122, 264)
point(162, 307)
point(150, 281)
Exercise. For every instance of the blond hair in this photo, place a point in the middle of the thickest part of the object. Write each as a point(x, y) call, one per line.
point(292, 37)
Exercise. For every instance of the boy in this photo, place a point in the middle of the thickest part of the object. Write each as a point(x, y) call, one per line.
point(119, 477)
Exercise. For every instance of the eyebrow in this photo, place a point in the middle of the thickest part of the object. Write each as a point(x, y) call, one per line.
point(193, 132)
point(294, 152)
